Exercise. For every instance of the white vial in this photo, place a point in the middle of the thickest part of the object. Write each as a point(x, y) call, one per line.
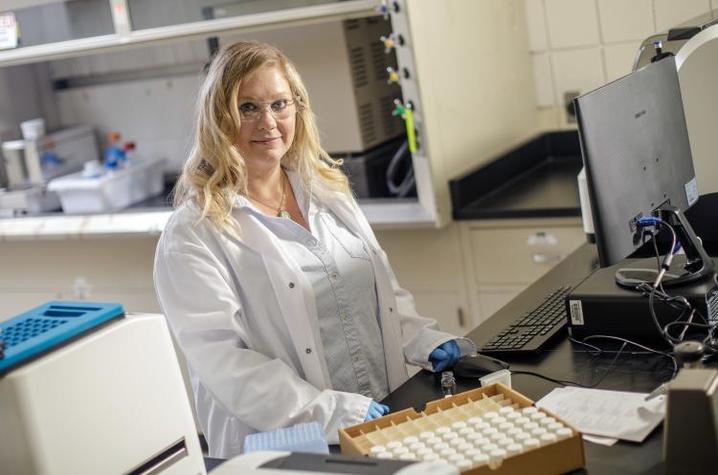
point(407, 456)
point(513, 432)
point(442, 430)
point(426, 435)
point(530, 444)
point(496, 455)
point(465, 447)
point(522, 420)
point(527, 411)
point(377, 449)
point(433, 441)
point(449, 436)
point(497, 436)
point(521, 437)
point(514, 449)
point(506, 410)
point(512, 416)
point(548, 438)
point(458, 425)
point(416, 446)
point(489, 447)
point(497, 421)
point(457, 442)
point(538, 432)
point(505, 442)
point(480, 459)
point(400, 451)
point(463, 464)
point(546, 421)
point(490, 416)
point(489, 431)
point(481, 426)
point(410, 440)
point(530, 426)
point(554, 427)
point(474, 420)
point(505, 426)
point(537, 416)
point(466, 431)
point(432, 457)
point(481, 442)
point(440, 446)
point(423, 451)
point(445, 453)
point(469, 454)
point(385, 455)
point(394, 444)
point(564, 433)
point(454, 458)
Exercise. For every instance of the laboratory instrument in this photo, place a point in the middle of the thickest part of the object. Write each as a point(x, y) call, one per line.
point(87, 389)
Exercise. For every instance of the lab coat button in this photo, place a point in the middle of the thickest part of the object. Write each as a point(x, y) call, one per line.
point(308, 350)
point(334, 275)
point(291, 285)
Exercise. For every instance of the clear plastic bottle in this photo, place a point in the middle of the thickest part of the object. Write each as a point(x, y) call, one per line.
point(448, 384)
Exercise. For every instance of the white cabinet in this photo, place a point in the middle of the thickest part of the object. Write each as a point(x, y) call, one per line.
point(505, 256)
point(429, 264)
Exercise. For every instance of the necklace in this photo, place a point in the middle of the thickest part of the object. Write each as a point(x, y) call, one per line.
point(281, 210)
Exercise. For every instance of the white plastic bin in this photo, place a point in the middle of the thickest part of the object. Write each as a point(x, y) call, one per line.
point(114, 190)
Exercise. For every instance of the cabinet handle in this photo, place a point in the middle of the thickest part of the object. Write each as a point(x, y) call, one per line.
point(539, 258)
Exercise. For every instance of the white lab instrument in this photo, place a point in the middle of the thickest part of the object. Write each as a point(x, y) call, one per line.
point(286, 463)
point(110, 401)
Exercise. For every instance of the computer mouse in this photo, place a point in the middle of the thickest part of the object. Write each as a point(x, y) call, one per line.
point(478, 366)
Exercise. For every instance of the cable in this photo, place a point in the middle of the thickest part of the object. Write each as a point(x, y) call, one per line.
point(650, 350)
point(557, 381)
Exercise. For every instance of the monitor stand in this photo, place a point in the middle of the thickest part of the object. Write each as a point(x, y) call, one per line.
point(698, 264)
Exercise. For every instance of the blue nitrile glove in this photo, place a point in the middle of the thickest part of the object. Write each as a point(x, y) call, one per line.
point(375, 411)
point(445, 355)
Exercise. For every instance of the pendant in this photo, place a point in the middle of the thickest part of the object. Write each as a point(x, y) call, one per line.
point(283, 213)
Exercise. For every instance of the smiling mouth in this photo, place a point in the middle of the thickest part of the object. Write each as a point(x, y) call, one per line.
point(267, 141)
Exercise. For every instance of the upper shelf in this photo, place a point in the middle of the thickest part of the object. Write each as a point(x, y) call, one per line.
point(125, 37)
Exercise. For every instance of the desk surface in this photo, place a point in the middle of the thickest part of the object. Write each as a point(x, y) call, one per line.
point(565, 361)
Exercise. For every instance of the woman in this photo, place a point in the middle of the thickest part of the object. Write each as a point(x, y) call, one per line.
point(270, 276)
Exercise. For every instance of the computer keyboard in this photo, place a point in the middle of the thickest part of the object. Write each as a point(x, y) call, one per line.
point(533, 329)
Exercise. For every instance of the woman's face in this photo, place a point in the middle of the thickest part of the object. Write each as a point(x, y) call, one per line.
point(268, 116)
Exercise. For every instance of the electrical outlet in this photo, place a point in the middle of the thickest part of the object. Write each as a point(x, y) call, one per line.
point(568, 98)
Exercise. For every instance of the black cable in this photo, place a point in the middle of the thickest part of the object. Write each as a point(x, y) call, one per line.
point(643, 347)
point(557, 381)
point(610, 366)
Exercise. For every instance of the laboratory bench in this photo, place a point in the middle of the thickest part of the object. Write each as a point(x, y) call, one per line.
point(537, 179)
point(563, 360)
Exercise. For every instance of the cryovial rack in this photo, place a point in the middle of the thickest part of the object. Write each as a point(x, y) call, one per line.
point(490, 430)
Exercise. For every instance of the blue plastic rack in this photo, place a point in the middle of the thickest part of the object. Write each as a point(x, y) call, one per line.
point(48, 326)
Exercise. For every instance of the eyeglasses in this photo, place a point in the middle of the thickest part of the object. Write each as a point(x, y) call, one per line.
point(280, 109)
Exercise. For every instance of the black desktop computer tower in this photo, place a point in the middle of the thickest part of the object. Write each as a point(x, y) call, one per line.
point(598, 306)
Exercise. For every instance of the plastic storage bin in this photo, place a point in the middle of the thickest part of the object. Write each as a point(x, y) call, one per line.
point(111, 191)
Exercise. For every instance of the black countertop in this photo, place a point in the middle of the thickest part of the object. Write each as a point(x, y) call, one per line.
point(536, 179)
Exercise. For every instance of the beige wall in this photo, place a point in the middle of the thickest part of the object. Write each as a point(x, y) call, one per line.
point(579, 45)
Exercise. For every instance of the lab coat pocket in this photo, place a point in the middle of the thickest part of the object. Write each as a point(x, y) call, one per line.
point(349, 242)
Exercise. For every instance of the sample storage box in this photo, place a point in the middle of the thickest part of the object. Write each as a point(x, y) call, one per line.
point(115, 189)
point(471, 410)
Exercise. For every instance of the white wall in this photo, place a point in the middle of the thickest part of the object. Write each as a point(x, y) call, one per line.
point(579, 45)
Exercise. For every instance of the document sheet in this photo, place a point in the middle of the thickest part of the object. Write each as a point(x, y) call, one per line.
point(617, 414)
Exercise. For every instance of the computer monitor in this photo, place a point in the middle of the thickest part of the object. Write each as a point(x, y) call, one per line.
point(637, 157)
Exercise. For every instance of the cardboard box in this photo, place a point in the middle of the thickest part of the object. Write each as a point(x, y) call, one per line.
point(558, 457)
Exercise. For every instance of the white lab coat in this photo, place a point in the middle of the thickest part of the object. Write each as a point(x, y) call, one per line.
point(228, 298)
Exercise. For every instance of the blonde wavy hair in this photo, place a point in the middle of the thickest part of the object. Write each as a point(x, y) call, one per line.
point(215, 171)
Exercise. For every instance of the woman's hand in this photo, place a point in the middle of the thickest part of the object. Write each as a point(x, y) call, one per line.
point(445, 355)
point(376, 410)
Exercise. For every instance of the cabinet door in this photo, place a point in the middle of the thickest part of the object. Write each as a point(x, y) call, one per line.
point(490, 299)
point(520, 255)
